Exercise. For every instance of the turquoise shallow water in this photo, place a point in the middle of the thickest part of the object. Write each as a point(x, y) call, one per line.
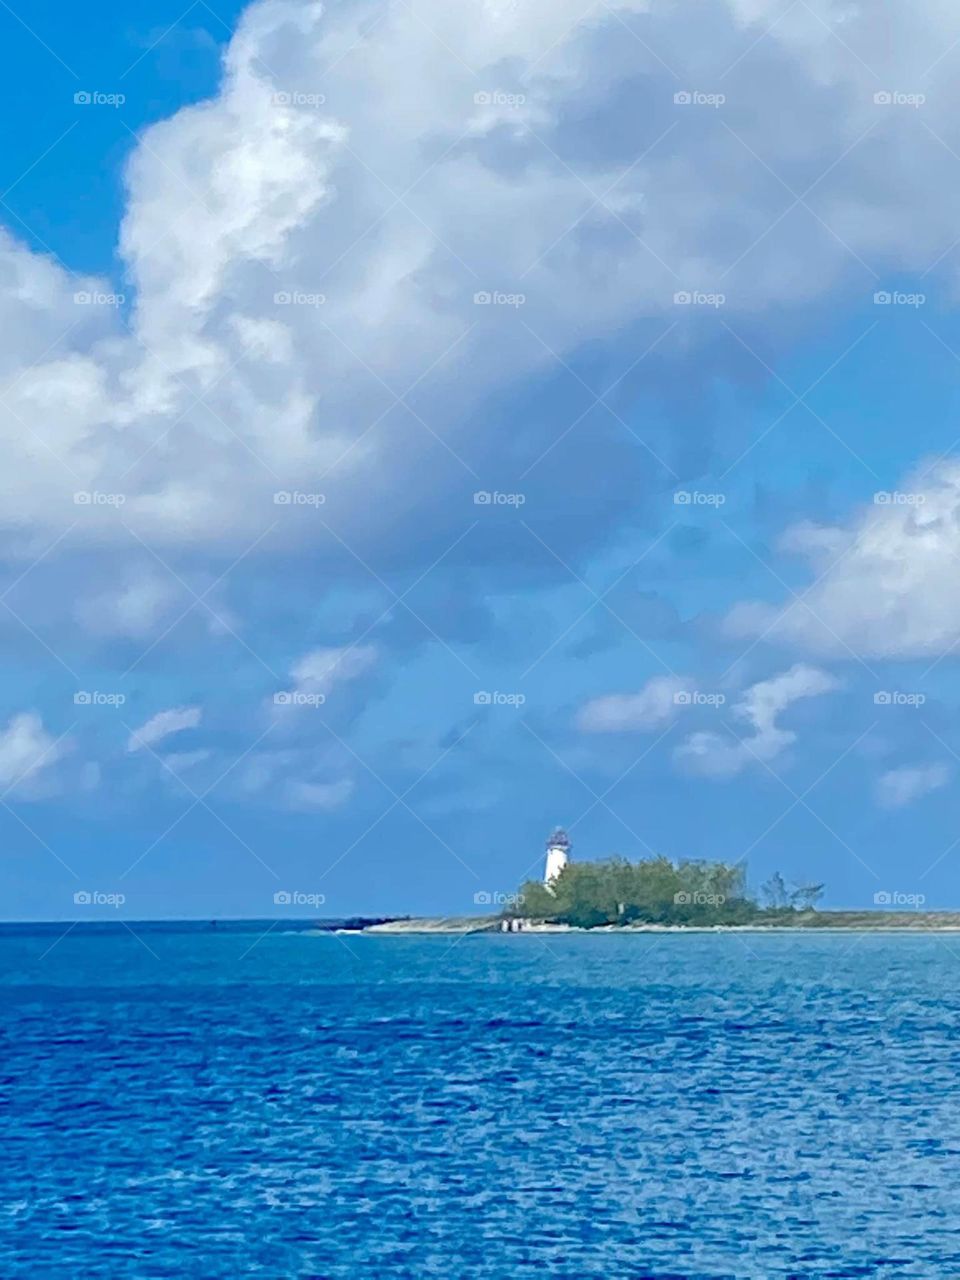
point(219, 1105)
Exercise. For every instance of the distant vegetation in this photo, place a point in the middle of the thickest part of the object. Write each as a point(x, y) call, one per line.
point(658, 891)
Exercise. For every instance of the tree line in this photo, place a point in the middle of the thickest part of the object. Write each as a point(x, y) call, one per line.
point(659, 891)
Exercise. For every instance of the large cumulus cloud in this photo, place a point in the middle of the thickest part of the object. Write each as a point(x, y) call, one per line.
point(457, 150)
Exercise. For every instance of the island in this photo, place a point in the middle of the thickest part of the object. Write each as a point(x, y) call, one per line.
point(656, 894)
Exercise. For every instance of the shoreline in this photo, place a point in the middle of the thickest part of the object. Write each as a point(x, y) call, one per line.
point(819, 922)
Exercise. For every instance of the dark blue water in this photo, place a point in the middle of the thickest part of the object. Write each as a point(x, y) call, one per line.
point(214, 1105)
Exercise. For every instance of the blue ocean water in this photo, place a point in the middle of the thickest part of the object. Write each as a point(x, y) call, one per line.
point(229, 1104)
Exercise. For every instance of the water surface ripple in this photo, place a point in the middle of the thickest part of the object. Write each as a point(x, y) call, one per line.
point(697, 1107)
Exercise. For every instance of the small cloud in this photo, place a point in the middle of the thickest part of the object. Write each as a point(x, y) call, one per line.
point(295, 780)
point(321, 670)
point(722, 756)
point(654, 705)
point(322, 796)
point(134, 610)
point(179, 761)
point(900, 787)
point(26, 749)
point(162, 725)
point(712, 754)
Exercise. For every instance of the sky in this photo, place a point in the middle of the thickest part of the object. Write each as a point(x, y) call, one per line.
point(423, 425)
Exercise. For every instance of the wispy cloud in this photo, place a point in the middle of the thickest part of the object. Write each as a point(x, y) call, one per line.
point(652, 706)
point(900, 787)
point(722, 756)
point(26, 749)
point(162, 725)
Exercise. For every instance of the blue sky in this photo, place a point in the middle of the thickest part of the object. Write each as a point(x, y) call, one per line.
point(378, 263)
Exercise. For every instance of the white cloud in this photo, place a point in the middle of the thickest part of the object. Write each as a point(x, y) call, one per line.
point(401, 196)
point(321, 670)
point(722, 756)
point(317, 796)
point(654, 705)
point(180, 761)
point(26, 750)
point(885, 584)
point(899, 787)
point(162, 725)
point(133, 609)
point(294, 779)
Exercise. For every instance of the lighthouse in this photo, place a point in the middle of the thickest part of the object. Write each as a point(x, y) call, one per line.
point(558, 854)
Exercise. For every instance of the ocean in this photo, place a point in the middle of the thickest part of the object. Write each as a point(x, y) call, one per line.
point(198, 1103)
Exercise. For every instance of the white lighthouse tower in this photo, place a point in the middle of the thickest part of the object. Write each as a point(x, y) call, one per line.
point(558, 854)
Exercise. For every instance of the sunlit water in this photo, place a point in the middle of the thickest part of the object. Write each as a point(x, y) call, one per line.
point(214, 1105)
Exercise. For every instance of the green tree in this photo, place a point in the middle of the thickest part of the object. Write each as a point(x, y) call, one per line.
point(535, 902)
point(586, 894)
point(654, 890)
